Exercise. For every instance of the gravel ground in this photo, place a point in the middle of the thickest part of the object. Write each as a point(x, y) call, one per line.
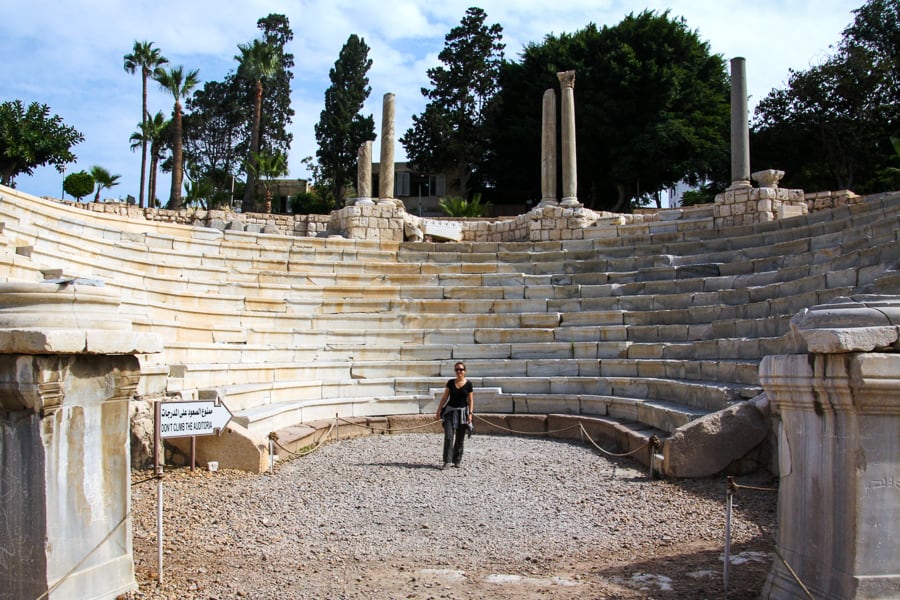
point(376, 517)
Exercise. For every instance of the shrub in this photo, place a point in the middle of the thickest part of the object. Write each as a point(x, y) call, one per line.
point(311, 203)
point(454, 206)
point(78, 185)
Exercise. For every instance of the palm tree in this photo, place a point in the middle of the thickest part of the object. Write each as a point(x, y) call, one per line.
point(104, 179)
point(268, 166)
point(180, 85)
point(257, 62)
point(149, 60)
point(154, 131)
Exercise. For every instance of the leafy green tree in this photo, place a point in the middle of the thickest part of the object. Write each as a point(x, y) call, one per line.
point(148, 60)
point(651, 106)
point(276, 110)
point(79, 184)
point(341, 128)
point(31, 138)
point(104, 180)
point(180, 84)
point(450, 133)
point(455, 206)
point(831, 127)
point(213, 132)
point(258, 61)
point(311, 203)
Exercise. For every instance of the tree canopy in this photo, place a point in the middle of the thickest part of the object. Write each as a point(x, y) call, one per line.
point(831, 127)
point(450, 134)
point(78, 184)
point(651, 109)
point(341, 128)
point(32, 137)
point(231, 119)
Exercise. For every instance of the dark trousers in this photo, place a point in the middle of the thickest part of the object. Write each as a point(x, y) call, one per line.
point(453, 449)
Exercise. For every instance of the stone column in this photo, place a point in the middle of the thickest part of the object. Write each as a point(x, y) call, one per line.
point(548, 150)
point(569, 165)
point(386, 168)
point(740, 125)
point(839, 453)
point(67, 373)
point(364, 173)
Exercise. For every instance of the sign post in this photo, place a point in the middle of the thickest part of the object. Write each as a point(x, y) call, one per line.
point(182, 419)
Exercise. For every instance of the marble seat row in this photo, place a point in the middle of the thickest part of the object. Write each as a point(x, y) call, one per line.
point(656, 328)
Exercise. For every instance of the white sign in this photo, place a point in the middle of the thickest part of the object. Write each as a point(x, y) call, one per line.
point(450, 230)
point(181, 419)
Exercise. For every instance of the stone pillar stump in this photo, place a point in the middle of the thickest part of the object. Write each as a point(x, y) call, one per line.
point(67, 373)
point(839, 453)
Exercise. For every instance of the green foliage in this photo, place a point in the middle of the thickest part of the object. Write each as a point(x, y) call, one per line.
point(180, 84)
point(341, 128)
point(652, 106)
point(706, 194)
point(267, 166)
point(311, 203)
point(257, 62)
point(104, 180)
point(454, 206)
point(830, 127)
point(31, 138)
point(148, 60)
point(450, 134)
point(276, 109)
point(155, 132)
point(78, 185)
point(214, 130)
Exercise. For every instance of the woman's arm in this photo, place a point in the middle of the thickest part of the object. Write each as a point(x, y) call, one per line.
point(471, 401)
point(443, 400)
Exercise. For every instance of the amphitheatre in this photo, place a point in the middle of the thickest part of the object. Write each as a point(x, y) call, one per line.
point(756, 333)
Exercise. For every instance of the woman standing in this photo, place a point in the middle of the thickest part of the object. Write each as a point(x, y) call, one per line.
point(455, 410)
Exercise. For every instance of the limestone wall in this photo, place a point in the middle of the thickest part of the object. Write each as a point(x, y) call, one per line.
point(391, 222)
point(748, 205)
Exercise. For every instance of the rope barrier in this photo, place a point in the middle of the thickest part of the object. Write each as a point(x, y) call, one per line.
point(274, 437)
point(608, 453)
point(77, 566)
point(794, 575)
point(389, 429)
point(732, 488)
point(482, 419)
point(151, 478)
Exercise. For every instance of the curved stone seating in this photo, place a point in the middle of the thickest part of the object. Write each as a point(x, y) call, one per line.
point(656, 328)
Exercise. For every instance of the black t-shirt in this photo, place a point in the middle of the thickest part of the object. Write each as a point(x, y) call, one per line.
point(459, 397)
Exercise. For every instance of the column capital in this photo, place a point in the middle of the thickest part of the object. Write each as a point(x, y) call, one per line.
point(566, 79)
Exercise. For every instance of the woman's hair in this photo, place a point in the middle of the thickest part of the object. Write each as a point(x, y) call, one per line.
point(460, 364)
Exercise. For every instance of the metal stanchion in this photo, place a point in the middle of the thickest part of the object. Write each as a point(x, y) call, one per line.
point(158, 454)
point(729, 498)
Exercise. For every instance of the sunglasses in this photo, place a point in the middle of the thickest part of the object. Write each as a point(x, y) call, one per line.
point(459, 370)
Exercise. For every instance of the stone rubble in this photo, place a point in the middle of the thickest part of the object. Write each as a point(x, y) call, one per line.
point(376, 517)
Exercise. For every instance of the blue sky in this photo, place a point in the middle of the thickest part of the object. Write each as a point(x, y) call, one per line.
point(68, 55)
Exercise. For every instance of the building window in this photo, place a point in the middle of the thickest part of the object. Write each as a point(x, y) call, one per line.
point(439, 185)
point(401, 184)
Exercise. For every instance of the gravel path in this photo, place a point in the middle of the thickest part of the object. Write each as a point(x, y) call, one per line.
point(376, 517)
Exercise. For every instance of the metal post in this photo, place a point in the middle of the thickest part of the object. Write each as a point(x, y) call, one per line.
point(157, 450)
point(728, 506)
